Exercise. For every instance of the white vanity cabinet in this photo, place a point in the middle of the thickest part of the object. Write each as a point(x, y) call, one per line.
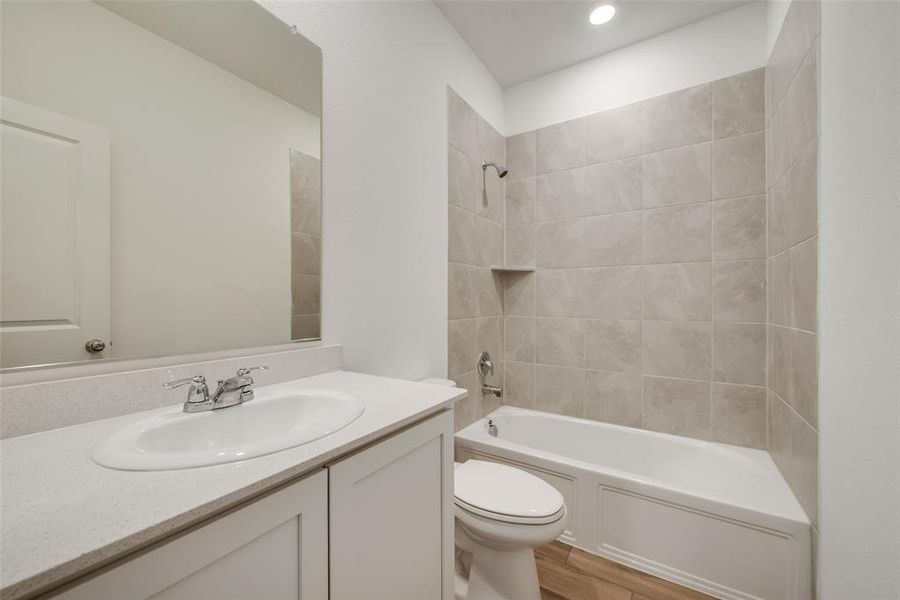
point(383, 516)
point(391, 517)
point(274, 548)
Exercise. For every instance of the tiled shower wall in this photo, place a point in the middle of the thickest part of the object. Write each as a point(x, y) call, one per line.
point(475, 302)
point(792, 112)
point(306, 245)
point(646, 228)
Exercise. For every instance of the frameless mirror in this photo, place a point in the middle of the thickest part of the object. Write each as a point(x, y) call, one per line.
point(161, 188)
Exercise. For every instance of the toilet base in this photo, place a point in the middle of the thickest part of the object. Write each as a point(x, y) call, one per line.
point(494, 574)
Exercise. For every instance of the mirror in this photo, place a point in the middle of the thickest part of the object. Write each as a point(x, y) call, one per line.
point(161, 187)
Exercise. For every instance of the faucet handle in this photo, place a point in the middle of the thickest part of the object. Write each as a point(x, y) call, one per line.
point(246, 370)
point(199, 392)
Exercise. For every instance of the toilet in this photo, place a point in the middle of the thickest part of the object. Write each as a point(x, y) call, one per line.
point(502, 514)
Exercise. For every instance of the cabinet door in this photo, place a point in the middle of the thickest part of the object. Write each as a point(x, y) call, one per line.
point(275, 548)
point(391, 517)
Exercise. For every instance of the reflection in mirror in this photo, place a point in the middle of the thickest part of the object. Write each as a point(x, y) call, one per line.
point(161, 187)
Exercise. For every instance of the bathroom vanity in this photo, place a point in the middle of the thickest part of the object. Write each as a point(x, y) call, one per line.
point(367, 508)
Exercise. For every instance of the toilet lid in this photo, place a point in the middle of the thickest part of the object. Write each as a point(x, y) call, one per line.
point(505, 493)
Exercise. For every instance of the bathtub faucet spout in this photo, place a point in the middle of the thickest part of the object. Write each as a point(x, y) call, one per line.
point(496, 390)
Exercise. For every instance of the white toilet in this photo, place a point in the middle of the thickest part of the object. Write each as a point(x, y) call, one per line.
point(502, 514)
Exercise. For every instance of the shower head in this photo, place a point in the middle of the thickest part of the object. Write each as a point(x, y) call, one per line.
point(501, 171)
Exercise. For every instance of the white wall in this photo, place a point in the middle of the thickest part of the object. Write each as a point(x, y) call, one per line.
point(859, 302)
point(386, 68)
point(200, 226)
point(722, 45)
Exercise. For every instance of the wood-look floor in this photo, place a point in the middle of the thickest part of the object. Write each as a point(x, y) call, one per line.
point(568, 573)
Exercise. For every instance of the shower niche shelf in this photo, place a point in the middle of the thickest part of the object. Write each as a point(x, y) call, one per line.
point(502, 270)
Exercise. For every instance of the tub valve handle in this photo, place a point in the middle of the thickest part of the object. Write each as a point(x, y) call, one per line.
point(492, 429)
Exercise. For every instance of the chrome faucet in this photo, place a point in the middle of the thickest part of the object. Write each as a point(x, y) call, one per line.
point(231, 391)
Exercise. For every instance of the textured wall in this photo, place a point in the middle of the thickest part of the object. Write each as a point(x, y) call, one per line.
point(646, 227)
point(476, 208)
point(792, 171)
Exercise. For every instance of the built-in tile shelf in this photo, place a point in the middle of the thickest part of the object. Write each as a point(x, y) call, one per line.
point(502, 270)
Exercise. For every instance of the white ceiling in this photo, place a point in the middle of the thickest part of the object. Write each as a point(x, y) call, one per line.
point(519, 40)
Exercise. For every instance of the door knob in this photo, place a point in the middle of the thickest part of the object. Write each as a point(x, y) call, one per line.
point(93, 346)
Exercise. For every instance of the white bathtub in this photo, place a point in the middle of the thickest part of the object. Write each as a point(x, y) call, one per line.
point(713, 517)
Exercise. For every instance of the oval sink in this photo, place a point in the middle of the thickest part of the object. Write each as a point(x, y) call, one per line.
point(271, 422)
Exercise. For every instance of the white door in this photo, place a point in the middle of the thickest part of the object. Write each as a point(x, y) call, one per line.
point(391, 517)
point(273, 549)
point(54, 236)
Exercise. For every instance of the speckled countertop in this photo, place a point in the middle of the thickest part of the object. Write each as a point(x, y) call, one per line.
point(62, 515)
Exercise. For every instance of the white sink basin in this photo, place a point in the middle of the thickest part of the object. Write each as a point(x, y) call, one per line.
point(273, 421)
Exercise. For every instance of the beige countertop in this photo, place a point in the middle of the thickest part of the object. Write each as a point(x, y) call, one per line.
point(62, 515)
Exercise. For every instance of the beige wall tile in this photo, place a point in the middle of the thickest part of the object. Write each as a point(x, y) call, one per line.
point(782, 348)
point(461, 241)
point(614, 133)
point(678, 119)
point(802, 204)
point(520, 246)
point(679, 176)
point(677, 292)
point(464, 179)
point(803, 376)
point(777, 216)
point(779, 431)
point(306, 294)
point(739, 291)
point(306, 254)
point(305, 327)
point(519, 384)
point(559, 195)
point(559, 389)
point(560, 146)
point(460, 346)
point(520, 155)
point(677, 406)
point(519, 293)
point(677, 349)
point(804, 280)
point(462, 128)
point(490, 201)
point(613, 398)
point(519, 343)
point(739, 415)
point(491, 145)
point(467, 410)
point(613, 240)
point(559, 342)
point(560, 244)
point(739, 228)
point(739, 353)
point(613, 345)
point(778, 157)
point(613, 187)
point(803, 104)
point(781, 283)
point(560, 293)
point(805, 457)
point(739, 104)
point(798, 30)
point(739, 166)
point(679, 234)
point(487, 292)
point(489, 338)
point(612, 292)
point(460, 294)
point(520, 201)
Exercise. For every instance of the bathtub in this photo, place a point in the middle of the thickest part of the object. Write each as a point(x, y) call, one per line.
point(716, 518)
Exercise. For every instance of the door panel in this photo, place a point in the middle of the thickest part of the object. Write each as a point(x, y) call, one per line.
point(54, 235)
point(391, 517)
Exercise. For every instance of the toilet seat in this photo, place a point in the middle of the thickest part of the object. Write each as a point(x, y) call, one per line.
point(506, 494)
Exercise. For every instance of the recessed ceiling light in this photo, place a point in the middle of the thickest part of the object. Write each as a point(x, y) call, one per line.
point(602, 14)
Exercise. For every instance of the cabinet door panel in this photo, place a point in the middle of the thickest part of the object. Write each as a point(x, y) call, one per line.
point(275, 548)
point(391, 517)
